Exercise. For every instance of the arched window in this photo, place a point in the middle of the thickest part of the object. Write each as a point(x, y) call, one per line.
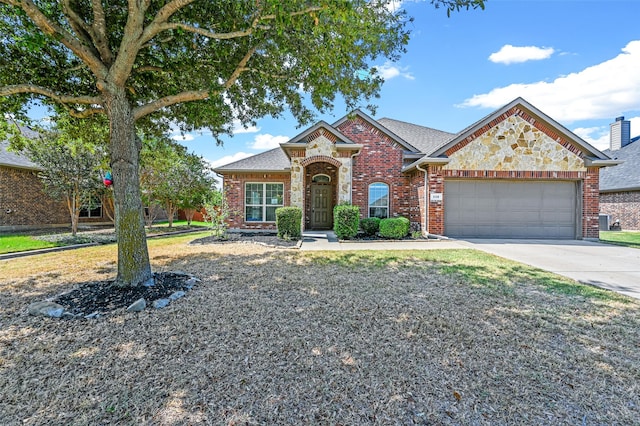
point(321, 178)
point(379, 200)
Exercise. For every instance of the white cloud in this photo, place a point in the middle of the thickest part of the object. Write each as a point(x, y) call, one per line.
point(598, 137)
point(238, 128)
point(182, 137)
point(509, 54)
point(389, 71)
point(597, 92)
point(267, 141)
point(229, 159)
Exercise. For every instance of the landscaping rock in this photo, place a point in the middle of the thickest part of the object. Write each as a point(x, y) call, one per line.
point(46, 309)
point(160, 303)
point(137, 306)
point(94, 315)
point(191, 282)
point(177, 295)
point(150, 282)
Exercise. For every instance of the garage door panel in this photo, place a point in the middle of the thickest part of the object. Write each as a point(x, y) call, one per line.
point(510, 209)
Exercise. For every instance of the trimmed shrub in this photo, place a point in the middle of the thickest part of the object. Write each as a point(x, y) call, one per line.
point(346, 220)
point(289, 222)
point(394, 228)
point(370, 225)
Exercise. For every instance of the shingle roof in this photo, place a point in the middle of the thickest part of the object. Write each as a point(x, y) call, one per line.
point(14, 159)
point(625, 176)
point(269, 161)
point(425, 139)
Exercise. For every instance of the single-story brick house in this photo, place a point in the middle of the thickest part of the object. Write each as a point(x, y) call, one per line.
point(24, 203)
point(515, 173)
point(620, 185)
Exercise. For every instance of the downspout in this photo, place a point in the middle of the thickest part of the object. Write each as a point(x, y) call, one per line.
point(351, 176)
point(427, 201)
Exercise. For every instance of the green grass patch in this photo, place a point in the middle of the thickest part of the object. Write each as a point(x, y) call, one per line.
point(180, 224)
point(622, 238)
point(476, 268)
point(17, 243)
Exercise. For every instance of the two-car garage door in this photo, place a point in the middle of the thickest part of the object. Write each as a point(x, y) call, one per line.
point(510, 209)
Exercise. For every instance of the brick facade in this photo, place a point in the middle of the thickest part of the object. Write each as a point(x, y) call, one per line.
point(23, 201)
point(234, 186)
point(622, 206)
point(514, 145)
point(380, 160)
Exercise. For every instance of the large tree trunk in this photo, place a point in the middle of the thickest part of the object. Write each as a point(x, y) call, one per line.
point(134, 267)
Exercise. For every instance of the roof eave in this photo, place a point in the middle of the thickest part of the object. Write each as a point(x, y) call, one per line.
point(596, 162)
point(440, 161)
point(228, 171)
point(627, 189)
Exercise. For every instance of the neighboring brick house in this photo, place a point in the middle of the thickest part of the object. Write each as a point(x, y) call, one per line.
point(24, 204)
point(620, 185)
point(515, 173)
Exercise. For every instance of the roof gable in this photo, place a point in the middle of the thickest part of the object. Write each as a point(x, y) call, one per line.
point(378, 126)
point(535, 117)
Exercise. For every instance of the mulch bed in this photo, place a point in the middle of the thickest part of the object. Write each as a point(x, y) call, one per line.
point(263, 238)
point(103, 297)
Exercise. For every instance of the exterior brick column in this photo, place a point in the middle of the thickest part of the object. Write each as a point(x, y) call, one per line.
point(435, 209)
point(591, 203)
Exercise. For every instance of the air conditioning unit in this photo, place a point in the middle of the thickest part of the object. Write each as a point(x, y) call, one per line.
point(604, 220)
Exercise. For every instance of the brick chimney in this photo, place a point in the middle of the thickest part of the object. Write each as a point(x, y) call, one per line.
point(619, 134)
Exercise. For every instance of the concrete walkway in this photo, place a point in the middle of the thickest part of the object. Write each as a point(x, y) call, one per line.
point(327, 240)
point(604, 265)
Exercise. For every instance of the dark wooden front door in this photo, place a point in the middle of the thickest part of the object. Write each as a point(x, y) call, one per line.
point(321, 206)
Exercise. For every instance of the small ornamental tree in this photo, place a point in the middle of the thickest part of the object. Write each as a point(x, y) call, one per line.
point(70, 168)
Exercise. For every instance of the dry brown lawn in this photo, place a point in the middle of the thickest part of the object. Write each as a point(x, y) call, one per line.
point(276, 336)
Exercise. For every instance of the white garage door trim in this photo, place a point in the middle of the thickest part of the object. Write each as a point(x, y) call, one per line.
point(494, 208)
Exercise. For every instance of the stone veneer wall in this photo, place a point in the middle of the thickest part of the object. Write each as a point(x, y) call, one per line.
point(516, 146)
point(23, 201)
point(320, 149)
point(623, 206)
point(380, 161)
point(233, 185)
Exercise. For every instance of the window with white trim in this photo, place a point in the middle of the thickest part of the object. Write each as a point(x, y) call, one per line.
point(379, 200)
point(261, 201)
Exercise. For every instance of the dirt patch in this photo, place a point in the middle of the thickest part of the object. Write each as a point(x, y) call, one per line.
point(276, 336)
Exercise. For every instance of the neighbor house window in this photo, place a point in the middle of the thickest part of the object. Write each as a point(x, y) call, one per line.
point(92, 209)
point(379, 200)
point(261, 201)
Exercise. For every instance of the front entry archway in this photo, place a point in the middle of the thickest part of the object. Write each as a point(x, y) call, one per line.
point(321, 179)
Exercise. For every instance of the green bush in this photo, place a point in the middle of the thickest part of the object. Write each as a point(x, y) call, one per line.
point(394, 228)
point(289, 222)
point(346, 220)
point(370, 225)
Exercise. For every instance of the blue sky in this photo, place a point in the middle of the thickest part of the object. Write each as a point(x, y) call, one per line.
point(576, 60)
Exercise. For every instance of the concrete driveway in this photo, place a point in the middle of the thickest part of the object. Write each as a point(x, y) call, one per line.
point(612, 267)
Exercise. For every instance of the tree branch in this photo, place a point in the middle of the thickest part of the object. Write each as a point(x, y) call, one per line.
point(151, 107)
point(57, 32)
point(195, 95)
point(38, 90)
point(99, 34)
point(130, 44)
